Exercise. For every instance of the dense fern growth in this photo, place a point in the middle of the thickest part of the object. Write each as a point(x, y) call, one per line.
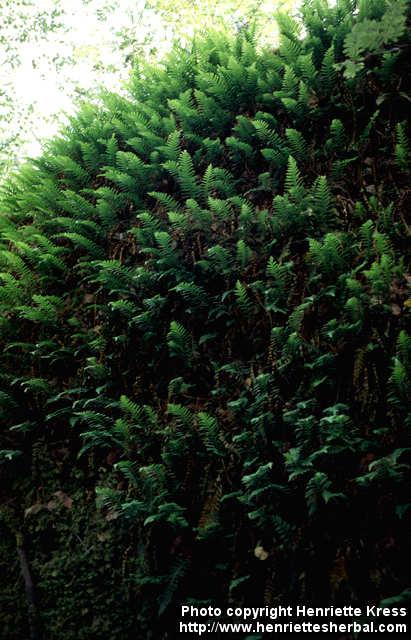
point(205, 374)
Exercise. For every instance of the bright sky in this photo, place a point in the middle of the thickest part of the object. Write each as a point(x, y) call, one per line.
point(90, 42)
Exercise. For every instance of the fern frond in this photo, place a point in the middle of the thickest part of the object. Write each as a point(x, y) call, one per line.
point(209, 431)
point(243, 300)
point(179, 342)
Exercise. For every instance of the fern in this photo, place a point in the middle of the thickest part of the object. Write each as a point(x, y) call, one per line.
point(204, 296)
point(210, 434)
point(244, 253)
point(321, 200)
point(243, 299)
point(183, 171)
point(45, 311)
point(179, 342)
point(297, 144)
point(318, 491)
point(293, 181)
point(402, 150)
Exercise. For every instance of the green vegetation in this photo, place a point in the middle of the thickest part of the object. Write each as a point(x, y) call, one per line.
point(205, 373)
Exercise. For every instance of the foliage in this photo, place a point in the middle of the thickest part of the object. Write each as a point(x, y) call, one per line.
point(53, 52)
point(205, 332)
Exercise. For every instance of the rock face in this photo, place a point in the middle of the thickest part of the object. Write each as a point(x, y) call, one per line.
point(205, 363)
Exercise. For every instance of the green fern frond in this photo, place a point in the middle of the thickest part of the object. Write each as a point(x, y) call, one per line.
point(297, 144)
point(321, 200)
point(243, 299)
point(179, 342)
point(209, 431)
point(166, 200)
point(293, 180)
point(244, 253)
point(402, 148)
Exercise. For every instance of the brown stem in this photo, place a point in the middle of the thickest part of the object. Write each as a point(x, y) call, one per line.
point(29, 588)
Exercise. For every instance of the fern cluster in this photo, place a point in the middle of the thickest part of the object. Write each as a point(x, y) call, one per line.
point(205, 332)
